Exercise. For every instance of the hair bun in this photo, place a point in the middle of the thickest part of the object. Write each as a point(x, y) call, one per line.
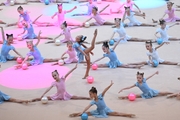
point(93, 88)
point(59, 4)
point(161, 21)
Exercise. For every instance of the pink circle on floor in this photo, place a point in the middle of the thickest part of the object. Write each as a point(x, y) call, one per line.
point(35, 77)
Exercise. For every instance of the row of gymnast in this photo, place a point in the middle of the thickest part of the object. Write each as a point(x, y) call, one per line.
point(28, 24)
point(77, 51)
point(102, 110)
point(170, 12)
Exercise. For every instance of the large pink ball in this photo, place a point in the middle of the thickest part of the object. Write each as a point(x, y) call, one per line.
point(90, 79)
point(20, 25)
point(131, 97)
point(24, 66)
point(19, 60)
point(94, 66)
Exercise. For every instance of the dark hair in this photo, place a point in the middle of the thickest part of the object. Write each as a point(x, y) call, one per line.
point(20, 8)
point(170, 3)
point(93, 90)
point(105, 44)
point(9, 35)
point(142, 74)
point(161, 22)
point(149, 42)
point(82, 39)
point(56, 71)
point(65, 24)
point(117, 19)
point(96, 8)
point(125, 7)
point(59, 5)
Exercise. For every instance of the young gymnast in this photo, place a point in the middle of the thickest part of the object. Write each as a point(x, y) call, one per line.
point(90, 6)
point(119, 28)
point(82, 50)
point(143, 86)
point(61, 17)
point(72, 54)
point(153, 56)
point(24, 16)
point(170, 12)
point(163, 31)
point(59, 83)
point(97, 18)
point(133, 21)
point(7, 47)
point(102, 110)
point(66, 31)
point(114, 62)
point(30, 32)
point(8, 3)
point(129, 3)
point(37, 58)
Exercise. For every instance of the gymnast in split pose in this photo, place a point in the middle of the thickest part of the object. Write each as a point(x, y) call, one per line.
point(97, 18)
point(153, 56)
point(132, 20)
point(119, 28)
point(171, 14)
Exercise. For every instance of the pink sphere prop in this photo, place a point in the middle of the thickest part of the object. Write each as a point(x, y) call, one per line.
point(19, 60)
point(24, 66)
point(94, 66)
point(131, 97)
point(20, 25)
point(90, 79)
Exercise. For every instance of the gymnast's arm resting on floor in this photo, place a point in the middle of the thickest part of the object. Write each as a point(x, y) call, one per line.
point(47, 91)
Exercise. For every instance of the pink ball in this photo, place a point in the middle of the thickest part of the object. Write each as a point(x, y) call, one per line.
point(19, 60)
point(90, 79)
point(24, 66)
point(94, 66)
point(20, 25)
point(131, 97)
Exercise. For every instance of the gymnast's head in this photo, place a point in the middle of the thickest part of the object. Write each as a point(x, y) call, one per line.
point(20, 10)
point(148, 45)
point(80, 39)
point(9, 38)
point(169, 5)
point(95, 10)
point(55, 75)
point(93, 92)
point(162, 23)
point(30, 44)
point(59, 6)
point(140, 77)
point(117, 21)
point(105, 47)
point(64, 25)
